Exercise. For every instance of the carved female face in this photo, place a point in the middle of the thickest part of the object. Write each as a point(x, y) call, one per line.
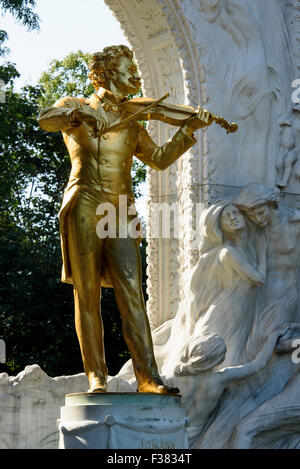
point(232, 220)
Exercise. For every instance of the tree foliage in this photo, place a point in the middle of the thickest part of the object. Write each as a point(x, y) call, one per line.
point(8, 73)
point(33, 168)
point(67, 77)
point(36, 312)
point(22, 10)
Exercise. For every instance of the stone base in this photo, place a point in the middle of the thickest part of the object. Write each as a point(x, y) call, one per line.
point(123, 421)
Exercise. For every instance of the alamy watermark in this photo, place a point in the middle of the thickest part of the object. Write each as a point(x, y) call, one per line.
point(2, 351)
point(296, 92)
point(296, 353)
point(2, 92)
point(165, 220)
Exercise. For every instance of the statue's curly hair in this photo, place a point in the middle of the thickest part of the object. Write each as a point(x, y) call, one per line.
point(103, 66)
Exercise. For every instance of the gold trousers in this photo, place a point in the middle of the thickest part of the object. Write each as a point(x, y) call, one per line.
point(87, 252)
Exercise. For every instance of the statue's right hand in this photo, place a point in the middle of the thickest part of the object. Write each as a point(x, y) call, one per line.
point(92, 118)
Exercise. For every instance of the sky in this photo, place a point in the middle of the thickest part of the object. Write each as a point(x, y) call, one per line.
point(65, 26)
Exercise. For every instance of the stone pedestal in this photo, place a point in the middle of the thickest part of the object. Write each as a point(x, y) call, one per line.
point(122, 421)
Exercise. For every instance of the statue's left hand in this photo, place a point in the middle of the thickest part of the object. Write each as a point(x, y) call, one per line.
point(202, 119)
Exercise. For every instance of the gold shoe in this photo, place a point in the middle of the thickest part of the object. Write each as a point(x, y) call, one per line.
point(97, 384)
point(157, 386)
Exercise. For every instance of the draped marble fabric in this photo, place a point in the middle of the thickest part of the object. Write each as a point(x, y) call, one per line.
point(219, 298)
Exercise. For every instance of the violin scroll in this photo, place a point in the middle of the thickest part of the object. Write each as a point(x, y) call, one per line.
point(230, 127)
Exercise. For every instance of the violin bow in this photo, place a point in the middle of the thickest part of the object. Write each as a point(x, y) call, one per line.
point(128, 119)
point(228, 126)
point(135, 115)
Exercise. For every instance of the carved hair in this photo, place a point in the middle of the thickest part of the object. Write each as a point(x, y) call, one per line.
point(255, 195)
point(210, 226)
point(203, 353)
point(104, 65)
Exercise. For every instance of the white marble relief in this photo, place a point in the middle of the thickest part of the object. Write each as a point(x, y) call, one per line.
point(234, 333)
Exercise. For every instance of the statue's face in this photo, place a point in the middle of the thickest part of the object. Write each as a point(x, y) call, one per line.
point(260, 215)
point(128, 80)
point(232, 219)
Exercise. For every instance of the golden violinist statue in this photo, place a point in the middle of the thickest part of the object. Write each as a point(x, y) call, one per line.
point(102, 135)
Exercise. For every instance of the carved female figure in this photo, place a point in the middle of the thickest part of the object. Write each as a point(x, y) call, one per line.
point(221, 288)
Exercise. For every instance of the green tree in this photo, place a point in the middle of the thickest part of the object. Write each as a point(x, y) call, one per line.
point(67, 77)
point(34, 307)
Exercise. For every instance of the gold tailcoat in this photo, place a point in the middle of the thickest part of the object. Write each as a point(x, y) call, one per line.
point(107, 171)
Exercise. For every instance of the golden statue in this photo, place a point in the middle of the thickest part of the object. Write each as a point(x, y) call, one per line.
point(102, 136)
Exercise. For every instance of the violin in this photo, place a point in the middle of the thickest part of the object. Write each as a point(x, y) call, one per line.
point(173, 114)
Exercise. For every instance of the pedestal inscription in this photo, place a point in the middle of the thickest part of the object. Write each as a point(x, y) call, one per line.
point(122, 421)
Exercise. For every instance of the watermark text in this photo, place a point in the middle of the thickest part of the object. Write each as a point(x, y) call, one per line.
point(296, 353)
point(2, 92)
point(165, 220)
point(2, 351)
